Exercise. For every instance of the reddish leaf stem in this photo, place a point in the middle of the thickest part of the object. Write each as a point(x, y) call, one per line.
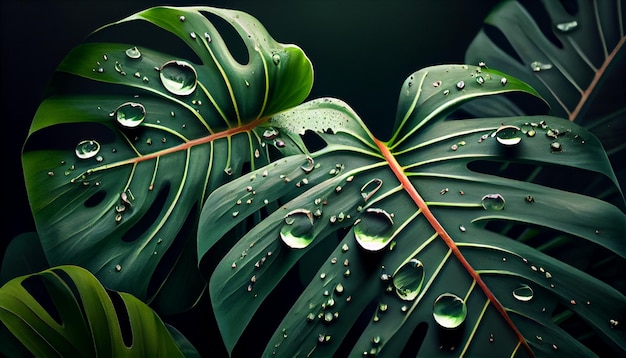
point(410, 189)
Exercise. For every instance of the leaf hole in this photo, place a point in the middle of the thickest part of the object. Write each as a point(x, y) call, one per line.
point(95, 199)
point(36, 286)
point(151, 216)
point(122, 317)
point(313, 141)
point(231, 37)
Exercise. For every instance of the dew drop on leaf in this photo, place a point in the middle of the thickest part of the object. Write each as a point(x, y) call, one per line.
point(133, 53)
point(297, 229)
point(370, 188)
point(373, 232)
point(276, 59)
point(408, 279)
point(87, 149)
point(178, 77)
point(537, 66)
point(449, 311)
point(508, 135)
point(523, 293)
point(567, 26)
point(130, 114)
point(493, 202)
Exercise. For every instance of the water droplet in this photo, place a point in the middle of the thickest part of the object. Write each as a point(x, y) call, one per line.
point(408, 279)
point(530, 199)
point(373, 232)
point(339, 289)
point(523, 293)
point(370, 188)
point(181, 18)
point(133, 53)
point(130, 114)
point(437, 83)
point(449, 311)
point(460, 85)
point(454, 147)
point(493, 202)
point(270, 133)
point(178, 77)
point(87, 149)
point(462, 228)
point(537, 66)
point(310, 165)
point(556, 147)
point(192, 35)
point(507, 135)
point(503, 81)
point(613, 323)
point(446, 92)
point(276, 59)
point(297, 230)
point(118, 267)
point(480, 80)
point(567, 26)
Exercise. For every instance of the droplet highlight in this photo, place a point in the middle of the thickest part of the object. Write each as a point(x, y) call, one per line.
point(130, 114)
point(373, 232)
point(524, 293)
point(493, 202)
point(178, 77)
point(408, 279)
point(449, 311)
point(87, 149)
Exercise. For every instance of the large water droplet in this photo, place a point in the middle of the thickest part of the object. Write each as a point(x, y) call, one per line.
point(449, 310)
point(297, 230)
point(130, 114)
point(87, 149)
point(508, 135)
point(373, 231)
point(408, 279)
point(178, 77)
point(567, 26)
point(523, 293)
point(493, 202)
point(537, 66)
point(133, 53)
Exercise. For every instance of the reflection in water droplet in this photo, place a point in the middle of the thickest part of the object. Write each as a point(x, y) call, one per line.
point(493, 202)
point(133, 53)
point(449, 311)
point(537, 66)
point(297, 229)
point(408, 279)
point(178, 77)
point(373, 232)
point(460, 85)
point(508, 135)
point(87, 149)
point(523, 293)
point(130, 114)
point(567, 26)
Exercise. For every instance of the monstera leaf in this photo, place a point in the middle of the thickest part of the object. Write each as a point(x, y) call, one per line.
point(134, 134)
point(66, 312)
point(414, 246)
point(572, 53)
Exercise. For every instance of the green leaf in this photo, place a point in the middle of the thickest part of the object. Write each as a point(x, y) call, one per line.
point(572, 54)
point(64, 311)
point(416, 223)
point(132, 138)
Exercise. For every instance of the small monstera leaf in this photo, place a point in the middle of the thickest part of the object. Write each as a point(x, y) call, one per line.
point(65, 312)
point(131, 139)
point(572, 53)
point(406, 235)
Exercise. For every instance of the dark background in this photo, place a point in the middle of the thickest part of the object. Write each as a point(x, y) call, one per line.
point(361, 50)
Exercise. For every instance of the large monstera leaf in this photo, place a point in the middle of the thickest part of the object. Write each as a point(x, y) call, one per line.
point(572, 53)
point(406, 239)
point(66, 312)
point(134, 134)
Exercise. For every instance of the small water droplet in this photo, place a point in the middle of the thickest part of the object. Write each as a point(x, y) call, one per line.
point(449, 311)
point(567, 26)
point(178, 77)
point(523, 293)
point(339, 289)
point(493, 202)
point(118, 267)
point(537, 66)
point(454, 147)
point(462, 228)
point(373, 232)
point(437, 83)
point(480, 80)
point(130, 114)
point(270, 133)
point(207, 37)
point(276, 59)
point(613, 323)
point(556, 147)
point(309, 166)
point(297, 230)
point(87, 149)
point(408, 279)
point(460, 85)
point(181, 18)
point(503, 81)
point(133, 53)
point(446, 92)
point(192, 35)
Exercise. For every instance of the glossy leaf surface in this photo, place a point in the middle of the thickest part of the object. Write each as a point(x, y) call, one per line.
point(132, 138)
point(406, 234)
point(66, 312)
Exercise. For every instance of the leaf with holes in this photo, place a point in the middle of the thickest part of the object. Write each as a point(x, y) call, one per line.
point(65, 311)
point(572, 54)
point(133, 135)
point(405, 236)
